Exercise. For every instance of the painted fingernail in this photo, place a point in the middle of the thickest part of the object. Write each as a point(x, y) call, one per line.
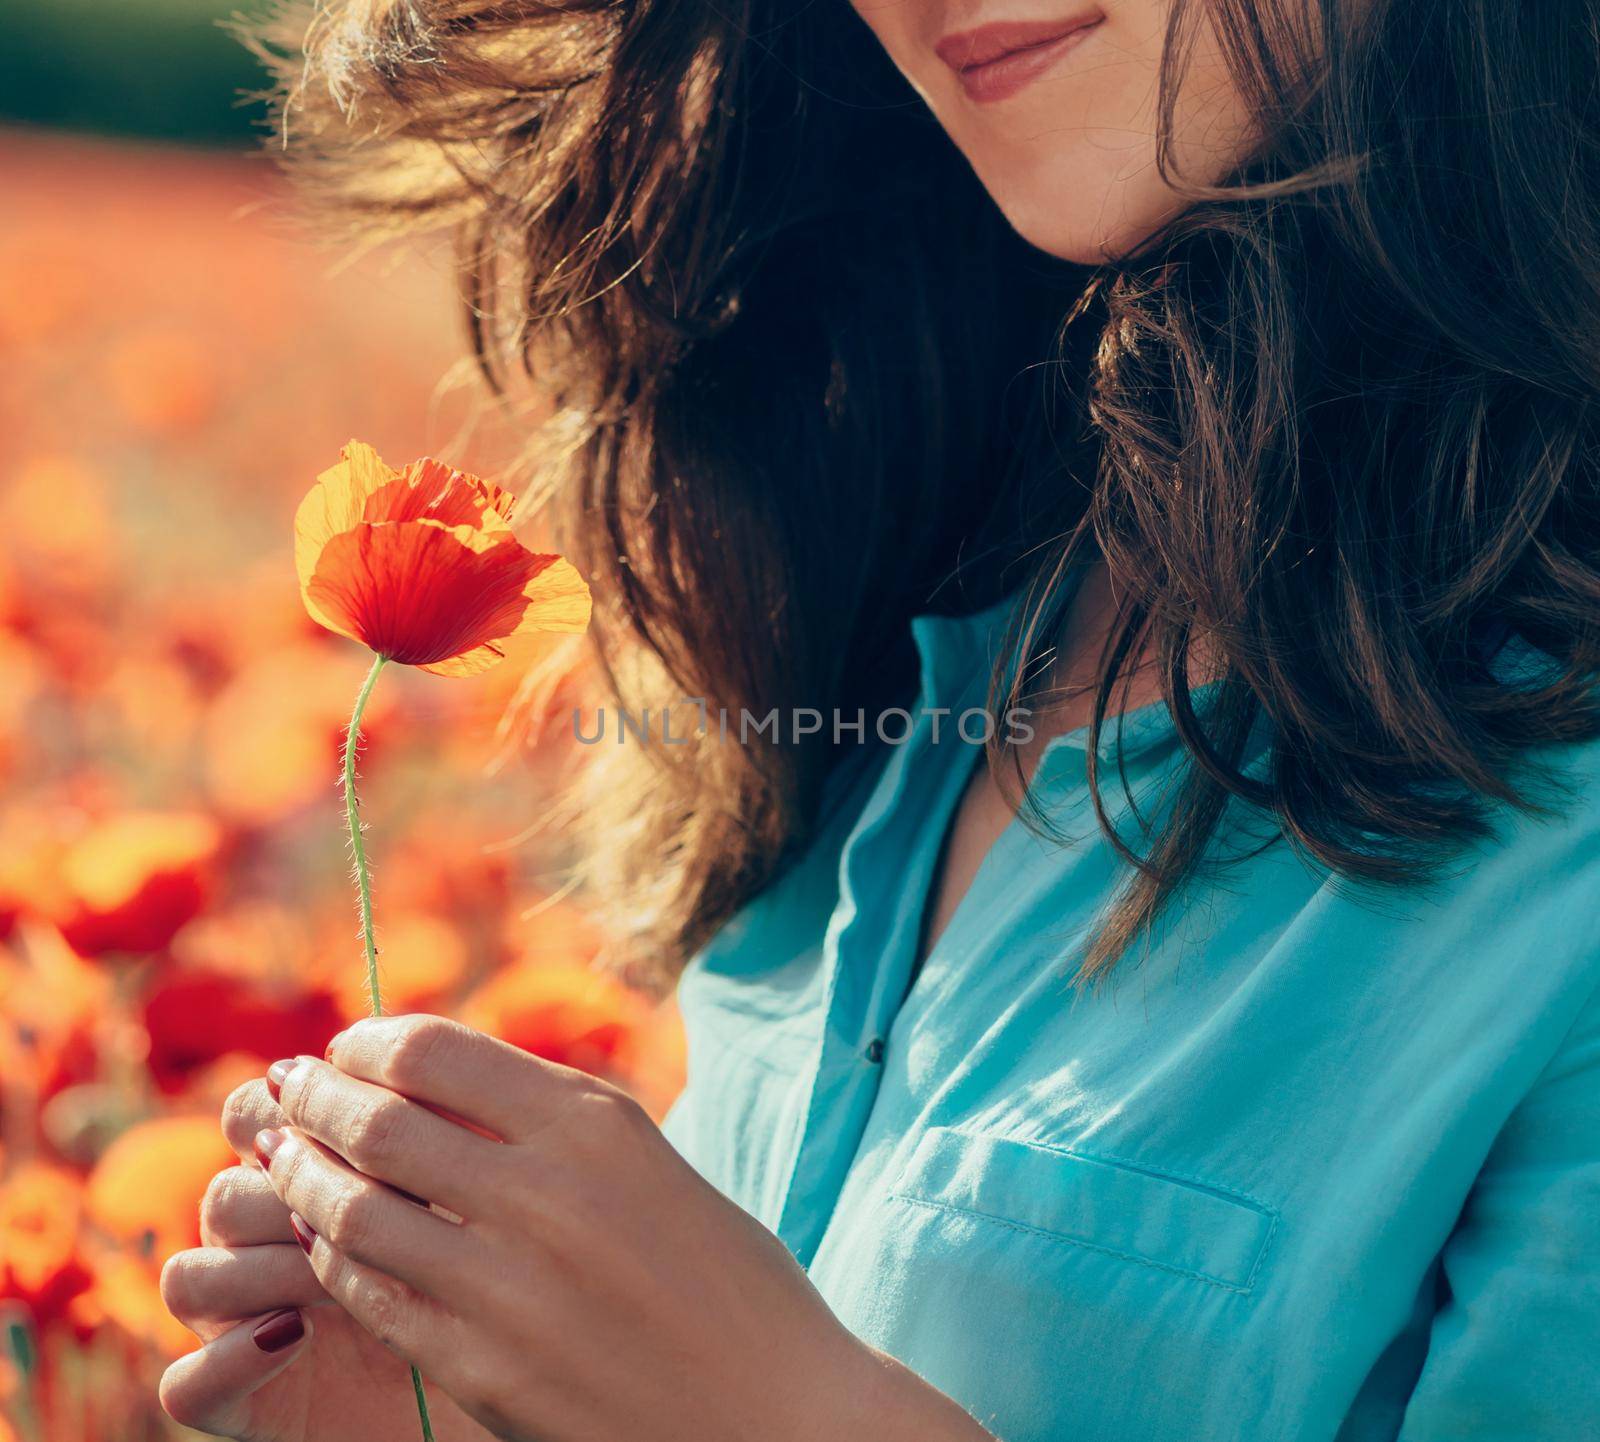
point(281, 1330)
point(327, 1054)
point(277, 1074)
point(302, 1233)
point(267, 1143)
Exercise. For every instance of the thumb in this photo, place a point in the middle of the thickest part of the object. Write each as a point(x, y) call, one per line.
point(210, 1390)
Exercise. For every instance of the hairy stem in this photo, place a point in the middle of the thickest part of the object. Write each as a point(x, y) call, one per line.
point(352, 816)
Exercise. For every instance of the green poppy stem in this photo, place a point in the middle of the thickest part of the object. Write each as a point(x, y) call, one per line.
point(352, 814)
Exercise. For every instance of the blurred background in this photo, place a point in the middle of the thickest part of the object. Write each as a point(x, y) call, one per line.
point(178, 361)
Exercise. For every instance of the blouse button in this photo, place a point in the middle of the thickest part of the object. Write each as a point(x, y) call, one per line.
point(875, 1050)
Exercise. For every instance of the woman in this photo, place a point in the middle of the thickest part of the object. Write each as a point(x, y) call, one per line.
point(1217, 1053)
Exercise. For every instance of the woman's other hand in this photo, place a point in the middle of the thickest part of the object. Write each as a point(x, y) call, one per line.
point(280, 1363)
point(595, 1287)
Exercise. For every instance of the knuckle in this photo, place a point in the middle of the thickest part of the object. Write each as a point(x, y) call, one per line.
point(222, 1202)
point(482, 1384)
point(599, 1133)
point(615, 1113)
point(631, 1114)
point(351, 1220)
point(382, 1311)
point(416, 1050)
point(375, 1129)
point(288, 1167)
point(305, 1095)
point(179, 1399)
point(177, 1284)
point(215, 1204)
point(245, 1112)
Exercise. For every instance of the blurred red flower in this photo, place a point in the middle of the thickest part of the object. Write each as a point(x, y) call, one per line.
point(197, 1018)
point(134, 880)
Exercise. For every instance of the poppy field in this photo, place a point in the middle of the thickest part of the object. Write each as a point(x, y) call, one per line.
point(179, 362)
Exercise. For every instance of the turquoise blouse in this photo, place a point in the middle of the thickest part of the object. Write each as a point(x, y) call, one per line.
point(1323, 1162)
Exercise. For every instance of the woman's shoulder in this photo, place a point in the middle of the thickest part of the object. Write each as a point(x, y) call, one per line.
point(1541, 854)
point(1559, 781)
point(1525, 895)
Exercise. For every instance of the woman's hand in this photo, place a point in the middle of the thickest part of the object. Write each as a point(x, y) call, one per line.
point(280, 1364)
point(596, 1288)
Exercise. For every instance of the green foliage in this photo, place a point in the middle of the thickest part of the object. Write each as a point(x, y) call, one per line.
point(160, 68)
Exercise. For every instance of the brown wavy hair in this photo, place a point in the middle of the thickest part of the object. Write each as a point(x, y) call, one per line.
point(1337, 424)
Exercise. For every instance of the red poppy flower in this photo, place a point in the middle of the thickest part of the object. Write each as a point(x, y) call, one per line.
point(421, 565)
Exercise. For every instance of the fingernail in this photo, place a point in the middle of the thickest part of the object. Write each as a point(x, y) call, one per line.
point(281, 1330)
point(277, 1074)
point(327, 1054)
point(302, 1233)
point(267, 1143)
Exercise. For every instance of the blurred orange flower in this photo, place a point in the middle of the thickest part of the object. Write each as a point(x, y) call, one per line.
point(561, 1012)
point(272, 736)
point(421, 565)
point(164, 381)
point(41, 1214)
point(145, 1191)
point(127, 1292)
point(134, 880)
point(442, 864)
point(74, 541)
point(54, 1003)
point(32, 844)
point(657, 1060)
point(425, 961)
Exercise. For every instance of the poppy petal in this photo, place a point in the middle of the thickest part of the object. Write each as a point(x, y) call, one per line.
point(420, 592)
point(430, 490)
point(332, 506)
point(557, 601)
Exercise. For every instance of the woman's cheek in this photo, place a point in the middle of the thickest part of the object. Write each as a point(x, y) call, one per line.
point(1071, 159)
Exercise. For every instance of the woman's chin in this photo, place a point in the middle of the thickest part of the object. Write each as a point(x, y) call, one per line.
point(1084, 224)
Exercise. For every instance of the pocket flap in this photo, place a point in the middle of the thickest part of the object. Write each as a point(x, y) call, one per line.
point(1177, 1223)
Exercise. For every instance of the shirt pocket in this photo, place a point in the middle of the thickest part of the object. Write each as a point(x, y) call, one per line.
point(1177, 1224)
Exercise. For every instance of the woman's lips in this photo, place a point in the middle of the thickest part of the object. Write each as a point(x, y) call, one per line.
point(994, 61)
